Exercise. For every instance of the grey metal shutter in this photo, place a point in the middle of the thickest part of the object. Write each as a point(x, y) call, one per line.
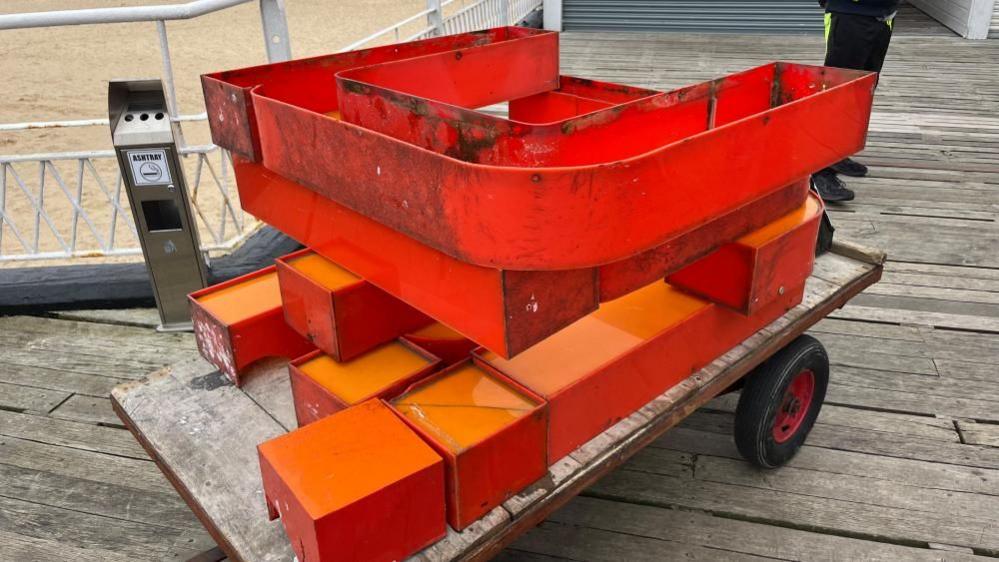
point(994, 26)
point(763, 16)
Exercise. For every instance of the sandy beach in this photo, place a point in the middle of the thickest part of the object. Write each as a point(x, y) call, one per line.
point(61, 73)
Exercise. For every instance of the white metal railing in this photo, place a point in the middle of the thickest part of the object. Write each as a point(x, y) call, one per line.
point(30, 183)
point(446, 17)
point(50, 171)
point(32, 186)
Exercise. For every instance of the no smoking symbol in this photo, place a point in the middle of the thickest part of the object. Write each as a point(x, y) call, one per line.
point(150, 171)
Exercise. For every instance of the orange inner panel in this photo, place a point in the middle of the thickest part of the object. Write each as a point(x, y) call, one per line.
point(464, 407)
point(323, 271)
point(437, 331)
point(339, 459)
point(243, 300)
point(783, 225)
point(616, 328)
point(367, 375)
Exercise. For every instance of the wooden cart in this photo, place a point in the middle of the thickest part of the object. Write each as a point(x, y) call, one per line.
point(202, 431)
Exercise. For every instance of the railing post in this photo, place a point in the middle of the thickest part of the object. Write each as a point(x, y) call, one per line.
point(3, 201)
point(552, 14)
point(505, 12)
point(275, 24)
point(170, 90)
point(436, 17)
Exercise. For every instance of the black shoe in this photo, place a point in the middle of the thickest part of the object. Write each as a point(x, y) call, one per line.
point(850, 167)
point(830, 188)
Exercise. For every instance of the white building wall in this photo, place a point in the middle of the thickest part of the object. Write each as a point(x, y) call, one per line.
point(994, 28)
point(968, 18)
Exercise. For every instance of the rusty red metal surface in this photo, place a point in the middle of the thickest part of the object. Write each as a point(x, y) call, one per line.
point(510, 216)
point(314, 392)
point(228, 94)
point(346, 321)
point(757, 268)
point(506, 311)
point(485, 462)
point(233, 342)
point(520, 195)
point(593, 376)
point(620, 278)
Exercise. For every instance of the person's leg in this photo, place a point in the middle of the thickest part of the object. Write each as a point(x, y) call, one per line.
point(846, 47)
point(848, 41)
point(879, 47)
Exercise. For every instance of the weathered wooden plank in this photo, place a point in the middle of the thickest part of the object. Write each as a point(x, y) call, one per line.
point(558, 473)
point(87, 409)
point(912, 402)
point(814, 457)
point(94, 364)
point(863, 441)
point(867, 330)
point(514, 555)
point(934, 319)
point(986, 311)
point(455, 543)
point(587, 543)
point(966, 370)
point(786, 508)
point(944, 272)
point(53, 379)
point(594, 448)
point(961, 390)
point(963, 346)
point(66, 433)
point(925, 239)
point(878, 354)
point(874, 342)
point(972, 297)
point(85, 531)
point(30, 549)
point(222, 482)
point(976, 510)
point(114, 500)
point(270, 387)
point(20, 397)
point(838, 269)
point(141, 317)
point(717, 415)
point(77, 463)
point(724, 534)
point(979, 433)
point(35, 327)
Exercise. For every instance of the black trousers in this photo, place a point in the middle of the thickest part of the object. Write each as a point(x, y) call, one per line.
point(856, 42)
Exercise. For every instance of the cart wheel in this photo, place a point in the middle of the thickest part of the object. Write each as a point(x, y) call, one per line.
point(780, 402)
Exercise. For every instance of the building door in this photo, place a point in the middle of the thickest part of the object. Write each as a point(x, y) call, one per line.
point(744, 16)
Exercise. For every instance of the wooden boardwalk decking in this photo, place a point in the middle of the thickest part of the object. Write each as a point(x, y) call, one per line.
point(903, 464)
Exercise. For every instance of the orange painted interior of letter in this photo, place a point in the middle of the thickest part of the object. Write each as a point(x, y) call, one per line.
point(464, 407)
point(243, 300)
point(364, 376)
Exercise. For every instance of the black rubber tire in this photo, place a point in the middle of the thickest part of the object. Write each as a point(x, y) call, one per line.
point(763, 394)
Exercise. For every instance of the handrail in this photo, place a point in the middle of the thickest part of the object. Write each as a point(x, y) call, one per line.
point(122, 14)
point(387, 30)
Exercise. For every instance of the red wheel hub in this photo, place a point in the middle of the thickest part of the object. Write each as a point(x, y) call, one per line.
point(794, 406)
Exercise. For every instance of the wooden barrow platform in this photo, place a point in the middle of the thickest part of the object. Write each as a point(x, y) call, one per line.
point(202, 431)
